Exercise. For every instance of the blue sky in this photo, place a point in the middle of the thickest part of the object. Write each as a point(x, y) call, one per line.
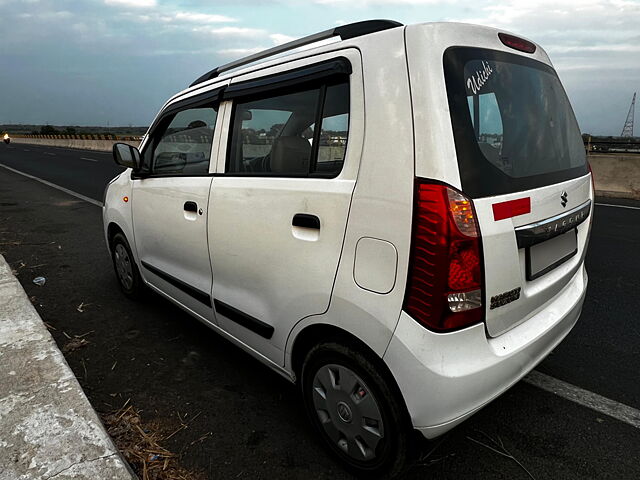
point(99, 62)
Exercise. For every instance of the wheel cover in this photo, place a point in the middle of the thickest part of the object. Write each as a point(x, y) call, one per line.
point(348, 412)
point(123, 266)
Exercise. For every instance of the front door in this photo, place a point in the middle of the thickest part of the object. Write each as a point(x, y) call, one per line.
point(170, 205)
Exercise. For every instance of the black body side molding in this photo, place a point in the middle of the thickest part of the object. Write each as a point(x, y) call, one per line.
point(241, 318)
point(199, 295)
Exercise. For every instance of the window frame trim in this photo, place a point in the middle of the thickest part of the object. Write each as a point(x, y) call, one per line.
point(322, 83)
point(313, 72)
point(209, 98)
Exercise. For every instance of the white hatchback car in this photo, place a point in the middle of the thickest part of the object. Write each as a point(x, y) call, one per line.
point(394, 217)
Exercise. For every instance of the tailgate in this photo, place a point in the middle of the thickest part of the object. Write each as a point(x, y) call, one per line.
point(530, 258)
point(522, 160)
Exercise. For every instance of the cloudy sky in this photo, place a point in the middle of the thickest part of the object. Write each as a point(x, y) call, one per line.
point(99, 62)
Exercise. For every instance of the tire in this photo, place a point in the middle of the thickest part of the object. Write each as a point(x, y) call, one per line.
point(356, 411)
point(125, 267)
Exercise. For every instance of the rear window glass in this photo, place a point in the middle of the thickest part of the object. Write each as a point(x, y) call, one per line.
point(513, 126)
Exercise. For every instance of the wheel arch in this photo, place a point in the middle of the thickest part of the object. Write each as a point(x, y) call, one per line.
point(112, 229)
point(317, 333)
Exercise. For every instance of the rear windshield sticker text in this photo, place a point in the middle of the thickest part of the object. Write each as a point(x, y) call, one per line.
point(476, 81)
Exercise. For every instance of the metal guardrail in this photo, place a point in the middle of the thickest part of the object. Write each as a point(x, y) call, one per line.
point(81, 137)
point(611, 144)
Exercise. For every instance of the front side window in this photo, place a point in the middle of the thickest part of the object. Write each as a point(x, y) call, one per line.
point(277, 134)
point(183, 144)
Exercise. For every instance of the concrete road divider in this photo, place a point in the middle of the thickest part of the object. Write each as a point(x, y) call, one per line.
point(85, 144)
point(616, 175)
point(47, 426)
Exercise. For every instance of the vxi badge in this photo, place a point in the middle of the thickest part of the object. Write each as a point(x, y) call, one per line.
point(504, 298)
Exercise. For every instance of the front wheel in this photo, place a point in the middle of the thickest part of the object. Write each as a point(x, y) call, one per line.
point(356, 411)
point(125, 267)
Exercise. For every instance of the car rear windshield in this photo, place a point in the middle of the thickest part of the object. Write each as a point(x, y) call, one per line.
point(513, 126)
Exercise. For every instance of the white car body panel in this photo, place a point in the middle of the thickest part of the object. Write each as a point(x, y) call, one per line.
point(171, 239)
point(446, 377)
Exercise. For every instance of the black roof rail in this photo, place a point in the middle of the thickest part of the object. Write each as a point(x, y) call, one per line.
point(345, 32)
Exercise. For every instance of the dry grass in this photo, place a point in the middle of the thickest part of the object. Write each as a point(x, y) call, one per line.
point(140, 445)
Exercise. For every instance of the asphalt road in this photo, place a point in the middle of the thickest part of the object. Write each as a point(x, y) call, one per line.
point(248, 422)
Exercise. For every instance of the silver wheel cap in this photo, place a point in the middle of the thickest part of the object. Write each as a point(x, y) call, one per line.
point(347, 411)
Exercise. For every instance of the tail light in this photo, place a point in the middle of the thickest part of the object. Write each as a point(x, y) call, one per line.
point(444, 288)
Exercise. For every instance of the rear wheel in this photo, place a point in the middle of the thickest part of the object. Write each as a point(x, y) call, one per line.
point(355, 410)
point(125, 267)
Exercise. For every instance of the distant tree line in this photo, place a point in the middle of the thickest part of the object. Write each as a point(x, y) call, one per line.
point(72, 130)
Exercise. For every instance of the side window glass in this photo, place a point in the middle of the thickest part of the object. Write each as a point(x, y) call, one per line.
point(274, 135)
point(184, 147)
point(278, 135)
point(334, 131)
point(487, 125)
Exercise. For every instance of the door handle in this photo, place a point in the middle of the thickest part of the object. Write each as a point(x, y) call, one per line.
point(191, 207)
point(305, 220)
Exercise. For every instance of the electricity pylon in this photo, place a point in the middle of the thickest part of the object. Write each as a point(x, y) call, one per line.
point(627, 130)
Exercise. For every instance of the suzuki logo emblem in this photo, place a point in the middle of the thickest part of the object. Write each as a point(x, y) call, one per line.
point(563, 199)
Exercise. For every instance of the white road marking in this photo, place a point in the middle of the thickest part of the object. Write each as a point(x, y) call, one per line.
point(619, 206)
point(88, 159)
point(53, 185)
point(606, 406)
point(49, 153)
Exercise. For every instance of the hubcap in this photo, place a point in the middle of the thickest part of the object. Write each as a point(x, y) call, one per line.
point(123, 266)
point(348, 411)
point(344, 412)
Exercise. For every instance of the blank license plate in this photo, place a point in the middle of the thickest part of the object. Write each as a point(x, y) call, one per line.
point(546, 256)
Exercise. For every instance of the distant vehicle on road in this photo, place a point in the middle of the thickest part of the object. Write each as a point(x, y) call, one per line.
point(395, 218)
point(6, 139)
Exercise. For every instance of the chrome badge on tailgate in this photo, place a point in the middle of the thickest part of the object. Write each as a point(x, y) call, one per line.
point(529, 235)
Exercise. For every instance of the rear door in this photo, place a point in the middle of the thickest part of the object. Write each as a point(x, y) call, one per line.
point(279, 205)
point(521, 158)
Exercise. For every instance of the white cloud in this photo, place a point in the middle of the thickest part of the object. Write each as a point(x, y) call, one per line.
point(592, 43)
point(202, 17)
point(233, 32)
point(132, 3)
point(279, 38)
point(368, 3)
point(234, 53)
point(595, 19)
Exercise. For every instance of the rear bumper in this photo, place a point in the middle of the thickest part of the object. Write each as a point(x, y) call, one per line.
point(445, 378)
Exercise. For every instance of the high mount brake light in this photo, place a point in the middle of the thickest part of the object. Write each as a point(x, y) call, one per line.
point(444, 288)
point(517, 43)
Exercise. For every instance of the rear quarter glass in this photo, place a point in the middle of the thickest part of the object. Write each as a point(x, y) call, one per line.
point(513, 126)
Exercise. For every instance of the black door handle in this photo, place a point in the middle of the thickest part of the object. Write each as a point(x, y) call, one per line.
point(190, 207)
point(305, 220)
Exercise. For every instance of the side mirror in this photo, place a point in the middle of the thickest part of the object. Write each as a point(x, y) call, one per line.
point(126, 155)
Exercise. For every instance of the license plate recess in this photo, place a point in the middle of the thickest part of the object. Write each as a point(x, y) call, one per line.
point(543, 257)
